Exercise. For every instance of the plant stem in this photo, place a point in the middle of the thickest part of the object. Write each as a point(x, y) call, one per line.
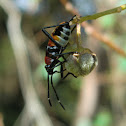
point(97, 15)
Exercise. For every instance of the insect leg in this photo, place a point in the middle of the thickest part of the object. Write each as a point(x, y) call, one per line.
point(49, 93)
point(58, 64)
point(58, 71)
point(56, 93)
point(61, 68)
point(61, 55)
point(65, 69)
point(73, 28)
point(54, 26)
point(72, 18)
point(69, 74)
point(50, 37)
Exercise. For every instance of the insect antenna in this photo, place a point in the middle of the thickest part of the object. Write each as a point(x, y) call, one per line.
point(56, 93)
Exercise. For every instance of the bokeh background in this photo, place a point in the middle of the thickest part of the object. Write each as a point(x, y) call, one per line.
point(95, 100)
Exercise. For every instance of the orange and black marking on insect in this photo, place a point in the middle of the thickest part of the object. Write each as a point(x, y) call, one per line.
point(58, 41)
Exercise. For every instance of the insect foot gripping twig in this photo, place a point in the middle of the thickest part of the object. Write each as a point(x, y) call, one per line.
point(75, 20)
point(82, 63)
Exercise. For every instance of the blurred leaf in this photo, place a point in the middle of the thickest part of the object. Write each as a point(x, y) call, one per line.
point(104, 118)
point(122, 64)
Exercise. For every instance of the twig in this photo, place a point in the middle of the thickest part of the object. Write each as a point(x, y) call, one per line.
point(97, 15)
point(92, 31)
point(78, 36)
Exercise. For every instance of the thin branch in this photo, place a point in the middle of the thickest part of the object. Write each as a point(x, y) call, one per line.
point(78, 36)
point(91, 30)
point(97, 15)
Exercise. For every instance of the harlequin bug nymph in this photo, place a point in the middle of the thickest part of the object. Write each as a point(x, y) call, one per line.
point(58, 41)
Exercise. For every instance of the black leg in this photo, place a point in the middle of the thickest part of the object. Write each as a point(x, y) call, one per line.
point(56, 93)
point(49, 93)
point(73, 28)
point(61, 55)
point(58, 64)
point(72, 18)
point(55, 25)
point(75, 25)
point(61, 70)
point(50, 37)
point(69, 74)
point(58, 71)
point(64, 58)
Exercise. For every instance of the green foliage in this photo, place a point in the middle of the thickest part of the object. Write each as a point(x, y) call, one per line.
point(103, 118)
point(122, 64)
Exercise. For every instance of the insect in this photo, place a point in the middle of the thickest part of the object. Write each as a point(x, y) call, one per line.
point(58, 41)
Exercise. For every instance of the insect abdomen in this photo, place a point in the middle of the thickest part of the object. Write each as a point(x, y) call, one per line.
point(62, 34)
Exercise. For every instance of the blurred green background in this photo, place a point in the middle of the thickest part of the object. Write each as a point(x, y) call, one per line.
point(95, 100)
